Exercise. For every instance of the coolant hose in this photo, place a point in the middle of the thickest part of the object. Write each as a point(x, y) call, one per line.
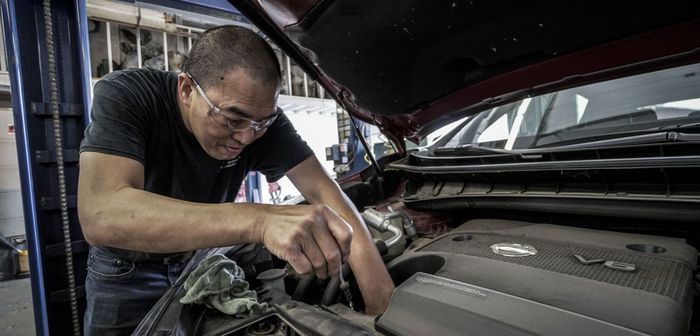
point(303, 287)
point(331, 293)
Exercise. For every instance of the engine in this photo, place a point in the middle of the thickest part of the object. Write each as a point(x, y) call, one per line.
point(491, 277)
point(481, 277)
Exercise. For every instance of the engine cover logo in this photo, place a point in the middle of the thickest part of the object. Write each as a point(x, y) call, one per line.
point(611, 264)
point(514, 250)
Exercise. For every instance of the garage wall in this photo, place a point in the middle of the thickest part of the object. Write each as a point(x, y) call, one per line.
point(11, 216)
point(315, 121)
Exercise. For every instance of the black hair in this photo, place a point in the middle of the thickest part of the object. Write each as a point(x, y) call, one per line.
point(221, 49)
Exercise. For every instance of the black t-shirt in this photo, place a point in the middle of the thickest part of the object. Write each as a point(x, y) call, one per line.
point(135, 115)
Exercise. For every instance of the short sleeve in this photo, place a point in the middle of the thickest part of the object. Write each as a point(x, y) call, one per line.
point(120, 123)
point(279, 150)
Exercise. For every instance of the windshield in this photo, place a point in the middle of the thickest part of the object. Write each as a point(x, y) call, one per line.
point(652, 101)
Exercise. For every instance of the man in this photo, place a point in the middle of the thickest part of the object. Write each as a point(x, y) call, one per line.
point(162, 160)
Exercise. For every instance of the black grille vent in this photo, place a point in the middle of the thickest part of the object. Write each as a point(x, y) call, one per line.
point(665, 277)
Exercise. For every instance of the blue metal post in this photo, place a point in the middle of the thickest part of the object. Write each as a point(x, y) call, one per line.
point(253, 189)
point(28, 63)
point(357, 149)
point(84, 45)
point(19, 113)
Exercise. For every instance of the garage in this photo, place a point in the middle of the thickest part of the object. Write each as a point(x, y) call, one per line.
point(350, 167)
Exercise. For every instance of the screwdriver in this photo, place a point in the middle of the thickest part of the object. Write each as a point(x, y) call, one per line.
point(345, 287)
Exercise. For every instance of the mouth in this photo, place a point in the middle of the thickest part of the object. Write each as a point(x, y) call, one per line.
point(230, 150)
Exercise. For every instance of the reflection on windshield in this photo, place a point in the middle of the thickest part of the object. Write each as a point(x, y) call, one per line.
point(659, 99)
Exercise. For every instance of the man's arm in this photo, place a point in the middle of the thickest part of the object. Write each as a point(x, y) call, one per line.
point(371, 274)
point(115, 211)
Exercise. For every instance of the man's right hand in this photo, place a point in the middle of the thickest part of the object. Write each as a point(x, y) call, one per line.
point(312, 238)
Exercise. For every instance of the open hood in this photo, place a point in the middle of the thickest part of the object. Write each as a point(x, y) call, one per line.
point(412, 66)
point(570, 196)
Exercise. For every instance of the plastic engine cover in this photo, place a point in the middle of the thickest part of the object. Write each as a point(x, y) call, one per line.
point(492, 277)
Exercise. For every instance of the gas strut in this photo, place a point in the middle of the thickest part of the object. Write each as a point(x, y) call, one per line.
point(380, 175)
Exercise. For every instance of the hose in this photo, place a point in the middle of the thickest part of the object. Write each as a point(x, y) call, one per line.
point(331, 292)
point(303, 287)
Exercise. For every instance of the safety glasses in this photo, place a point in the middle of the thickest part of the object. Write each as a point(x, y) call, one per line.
point(231, 122)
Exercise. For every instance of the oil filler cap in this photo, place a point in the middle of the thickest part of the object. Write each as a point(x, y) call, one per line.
point(514, 250)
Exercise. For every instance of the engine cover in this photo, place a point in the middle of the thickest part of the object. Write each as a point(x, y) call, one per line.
point(491, 277)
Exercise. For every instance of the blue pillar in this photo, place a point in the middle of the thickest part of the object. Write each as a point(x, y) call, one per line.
point(356, 148)
point(253, 191)
point(27, 52)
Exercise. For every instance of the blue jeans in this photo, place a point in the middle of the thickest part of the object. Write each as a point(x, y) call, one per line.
point(121, 290)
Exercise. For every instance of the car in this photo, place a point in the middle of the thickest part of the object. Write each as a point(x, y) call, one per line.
point(565, 201)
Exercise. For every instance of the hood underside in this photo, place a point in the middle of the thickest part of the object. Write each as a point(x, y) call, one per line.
point(411, 66)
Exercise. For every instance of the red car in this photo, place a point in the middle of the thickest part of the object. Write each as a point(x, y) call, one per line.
point(565, 202)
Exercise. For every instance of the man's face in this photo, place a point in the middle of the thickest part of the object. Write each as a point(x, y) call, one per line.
point(231, 115)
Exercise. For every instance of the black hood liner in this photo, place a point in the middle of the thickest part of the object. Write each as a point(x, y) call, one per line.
point(396, 57)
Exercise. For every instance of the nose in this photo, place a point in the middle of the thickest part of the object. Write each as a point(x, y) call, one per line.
point(245, 137)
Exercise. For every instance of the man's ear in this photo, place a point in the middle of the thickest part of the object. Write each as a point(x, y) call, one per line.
point(184, 89)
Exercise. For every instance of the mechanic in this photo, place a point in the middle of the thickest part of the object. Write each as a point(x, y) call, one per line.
point(164, 157)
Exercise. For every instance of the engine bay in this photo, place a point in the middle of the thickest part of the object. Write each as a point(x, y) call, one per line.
point(480, 277)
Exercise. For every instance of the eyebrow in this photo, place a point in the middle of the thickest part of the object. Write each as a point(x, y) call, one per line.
point(237, 111)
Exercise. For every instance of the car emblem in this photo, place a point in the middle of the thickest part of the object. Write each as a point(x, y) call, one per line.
point(611, 264)
point(513, 249)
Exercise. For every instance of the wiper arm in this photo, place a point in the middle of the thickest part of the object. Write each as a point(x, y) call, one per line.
point(656, 135)
point(634, 138)
point(472, 149)
point(611, 127)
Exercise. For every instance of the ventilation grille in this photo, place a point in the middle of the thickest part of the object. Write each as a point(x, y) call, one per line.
point(666, 277)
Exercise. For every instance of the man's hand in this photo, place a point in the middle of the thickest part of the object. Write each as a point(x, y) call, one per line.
point(371, 274)
point(312, 238)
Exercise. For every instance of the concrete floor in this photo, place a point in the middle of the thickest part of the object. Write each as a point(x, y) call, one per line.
point(16, 311)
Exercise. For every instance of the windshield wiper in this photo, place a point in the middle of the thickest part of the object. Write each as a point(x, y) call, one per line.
point(659, 134)
point(655, 135)
point(471, 149)
point(631, 138)
point(609, 128)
